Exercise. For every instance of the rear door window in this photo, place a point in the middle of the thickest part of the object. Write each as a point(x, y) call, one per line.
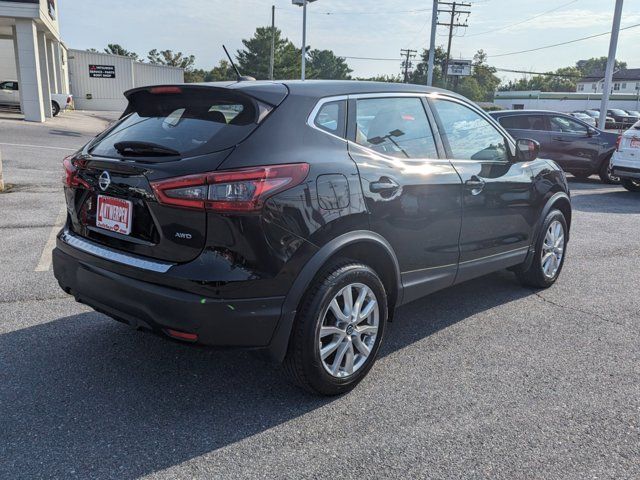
point(397, 127)
point(174, 122)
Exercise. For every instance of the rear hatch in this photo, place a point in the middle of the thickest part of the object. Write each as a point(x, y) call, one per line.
point(166, 132)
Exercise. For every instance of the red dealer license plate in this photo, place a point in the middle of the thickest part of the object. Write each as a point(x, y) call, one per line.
point(114, 214)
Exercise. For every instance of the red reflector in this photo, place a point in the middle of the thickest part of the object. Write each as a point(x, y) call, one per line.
point(165, 90)
point(188, 337)
point(71, 178)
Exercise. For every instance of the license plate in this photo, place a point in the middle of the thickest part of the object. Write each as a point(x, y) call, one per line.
point(114, 214)
point(635, 142)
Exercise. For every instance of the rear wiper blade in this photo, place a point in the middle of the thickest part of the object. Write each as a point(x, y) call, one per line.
point(144, 149)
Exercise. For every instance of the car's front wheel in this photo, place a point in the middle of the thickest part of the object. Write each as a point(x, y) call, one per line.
point(55, 109)
point(338, 329)
point(550, 251)
point(631, 185)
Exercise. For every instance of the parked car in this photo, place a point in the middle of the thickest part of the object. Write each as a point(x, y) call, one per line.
point(576, 146)
point(626, 159)
point(621, 119)
point(633, 114)
point(298, 224)
point(609, 121)
point(10, 95)
point(589, 120)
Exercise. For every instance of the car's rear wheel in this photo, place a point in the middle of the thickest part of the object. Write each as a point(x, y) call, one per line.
point(55, 108)
point(338, 329)
point(606, 173)
point(549, 256)
point(631, 185)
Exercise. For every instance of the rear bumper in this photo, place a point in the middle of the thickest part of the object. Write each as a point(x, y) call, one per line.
point(248, 323)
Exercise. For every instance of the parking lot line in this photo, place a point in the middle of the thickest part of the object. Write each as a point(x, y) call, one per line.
point(38, 146)
point(45, 259)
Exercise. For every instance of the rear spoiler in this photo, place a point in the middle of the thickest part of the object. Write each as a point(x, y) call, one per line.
point(267, 92)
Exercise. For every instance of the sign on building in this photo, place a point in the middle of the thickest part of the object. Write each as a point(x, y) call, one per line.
point(102, 71)
point(459, 68)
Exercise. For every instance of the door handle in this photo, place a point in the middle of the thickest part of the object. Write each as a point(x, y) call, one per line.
point(385, 184)
point(561, 139)
point(475, 184)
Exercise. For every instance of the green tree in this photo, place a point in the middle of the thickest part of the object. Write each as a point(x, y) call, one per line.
point(224, 71)
point(116, 49)
point(254, 58)
point(419, 75)
point(167, 57)
point(597, 65)
point(383, 78)
point(324, 64)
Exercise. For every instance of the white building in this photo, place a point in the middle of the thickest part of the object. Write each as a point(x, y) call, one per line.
point(32, 53)
point(98, 80)
point(624, 81)
point(564, 101)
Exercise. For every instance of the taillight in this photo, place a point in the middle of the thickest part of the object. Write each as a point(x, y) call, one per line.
point(165, 90)
point(618, 140)
point(242, 190)
point(71, 178)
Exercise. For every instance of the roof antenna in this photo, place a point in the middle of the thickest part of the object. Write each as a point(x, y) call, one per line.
point(241, 78)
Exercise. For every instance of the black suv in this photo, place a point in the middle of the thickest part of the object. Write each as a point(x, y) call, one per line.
point(295, 217)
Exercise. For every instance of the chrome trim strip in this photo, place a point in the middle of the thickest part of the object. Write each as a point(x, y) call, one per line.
point(112, 255)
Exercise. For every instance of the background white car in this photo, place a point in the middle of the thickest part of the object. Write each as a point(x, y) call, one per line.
point(625, 161)
point(10, 95)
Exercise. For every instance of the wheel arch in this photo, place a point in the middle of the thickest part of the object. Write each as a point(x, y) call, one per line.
point(365, 246)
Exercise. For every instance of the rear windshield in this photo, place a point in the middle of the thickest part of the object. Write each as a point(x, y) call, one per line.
point(174, 122)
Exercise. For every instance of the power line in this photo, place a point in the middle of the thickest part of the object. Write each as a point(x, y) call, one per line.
point(359, 12)
point(504, 27)
point(548, 74)
point(562, 43)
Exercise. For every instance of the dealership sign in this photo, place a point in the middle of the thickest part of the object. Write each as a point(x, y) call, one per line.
point(102, 71)
point(459, 68)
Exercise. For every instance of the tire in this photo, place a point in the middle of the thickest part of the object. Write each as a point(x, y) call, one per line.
point(304, 364)
point(55, 109)
point(606, 174)
point(581, 176)
point(631, 185)
point(535, 274)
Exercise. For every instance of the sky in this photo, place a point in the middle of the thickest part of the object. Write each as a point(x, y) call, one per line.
point(358, 28)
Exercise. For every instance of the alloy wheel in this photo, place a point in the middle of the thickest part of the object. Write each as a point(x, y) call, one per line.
point(348, 330)
point(552, 250)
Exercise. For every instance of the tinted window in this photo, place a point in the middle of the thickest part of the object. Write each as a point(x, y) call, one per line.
point(192, 122)
point(395, 126)
point(469, 135)
point(9, 86)
point(523, 122)
point(566, 125)
point(330, 118)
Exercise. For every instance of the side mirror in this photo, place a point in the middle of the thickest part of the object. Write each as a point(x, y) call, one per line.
point(527, 149)
point(591, 132)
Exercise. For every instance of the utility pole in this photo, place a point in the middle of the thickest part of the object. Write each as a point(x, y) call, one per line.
point(611, 61)
point(303, 4)
point(407, 64)
point(432, 44)
point(453, 22)
point(272, 60)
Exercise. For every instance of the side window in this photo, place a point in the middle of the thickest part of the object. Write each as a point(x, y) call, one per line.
point(331, 118)
point(398, 127)
point(469, 135)
point(523, 122)
point(567, 125)
point(6, 86)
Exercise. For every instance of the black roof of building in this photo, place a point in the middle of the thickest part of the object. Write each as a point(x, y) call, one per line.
point(626, 74)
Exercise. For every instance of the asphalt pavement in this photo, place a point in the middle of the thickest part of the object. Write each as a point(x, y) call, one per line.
point(483, 380)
